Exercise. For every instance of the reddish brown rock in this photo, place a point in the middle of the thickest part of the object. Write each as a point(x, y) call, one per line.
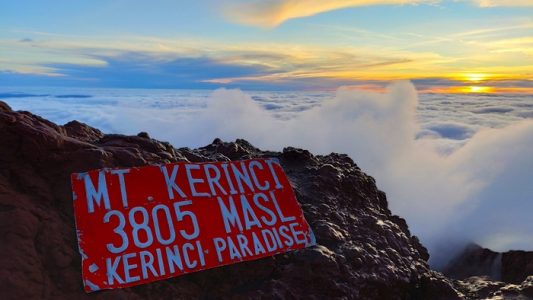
point(82, 132)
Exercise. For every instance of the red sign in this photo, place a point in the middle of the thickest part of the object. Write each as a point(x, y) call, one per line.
point(138, 225)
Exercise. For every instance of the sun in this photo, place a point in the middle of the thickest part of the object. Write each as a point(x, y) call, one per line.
point(479, 89)
point(475, 77)
point(474, 89)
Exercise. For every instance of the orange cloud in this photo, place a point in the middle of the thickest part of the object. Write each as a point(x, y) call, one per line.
point(270, 13)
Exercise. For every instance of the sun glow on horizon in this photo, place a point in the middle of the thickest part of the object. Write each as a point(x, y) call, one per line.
point(477, 89)
point(473, 89)
point(476, 77)
point(481, 89)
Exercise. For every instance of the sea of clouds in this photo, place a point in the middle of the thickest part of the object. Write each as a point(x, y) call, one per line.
point(459, 168)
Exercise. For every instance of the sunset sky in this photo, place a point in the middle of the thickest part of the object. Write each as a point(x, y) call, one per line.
point(470, 46)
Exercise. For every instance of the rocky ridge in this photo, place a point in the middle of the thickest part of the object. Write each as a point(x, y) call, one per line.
point(481, 273)
point(363, 251)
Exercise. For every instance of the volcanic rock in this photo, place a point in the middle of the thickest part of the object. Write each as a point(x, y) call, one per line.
point(516, 266)
point(486, 274)
point(475, 261)
point(482, 287)
point(363, 251)
point(511, 266)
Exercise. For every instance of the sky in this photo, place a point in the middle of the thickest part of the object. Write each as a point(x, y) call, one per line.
point(446, 46)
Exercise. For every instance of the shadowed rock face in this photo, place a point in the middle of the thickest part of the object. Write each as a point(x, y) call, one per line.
point(485, 274)
point(364, 252)
point(517, 266)
point(475, 261)
point(511, 266)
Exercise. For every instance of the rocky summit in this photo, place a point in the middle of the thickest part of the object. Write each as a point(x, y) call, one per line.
point(363, 251)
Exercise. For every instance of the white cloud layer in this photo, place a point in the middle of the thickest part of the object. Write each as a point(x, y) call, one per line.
point(457, 167)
